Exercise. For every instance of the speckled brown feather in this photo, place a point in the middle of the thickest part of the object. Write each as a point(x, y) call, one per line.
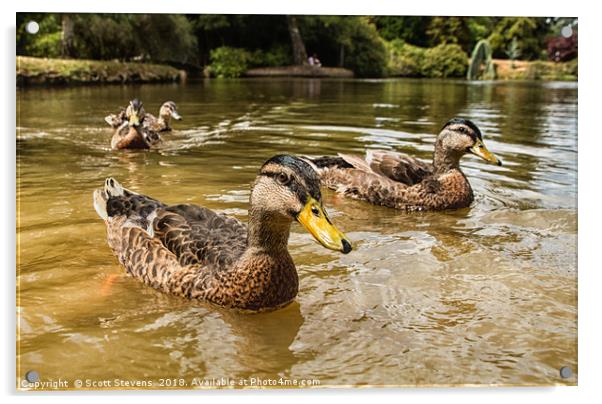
point(194, 252)
point(448, 191)
point(130, 137)
point(399, 181)
point(399, 167)
point(155, 124)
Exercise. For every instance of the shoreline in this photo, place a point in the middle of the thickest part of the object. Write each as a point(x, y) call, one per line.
point(32, 72)
point(299, 71)
point(39, 72)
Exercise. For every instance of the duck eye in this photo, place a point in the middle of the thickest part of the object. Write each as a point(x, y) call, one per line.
point(461, 129)
point(283, 178)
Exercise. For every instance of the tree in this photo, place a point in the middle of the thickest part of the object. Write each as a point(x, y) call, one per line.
point(410, 29)
point(67, 48)
point(450, 30)
point(299, 52)
point(530, 34)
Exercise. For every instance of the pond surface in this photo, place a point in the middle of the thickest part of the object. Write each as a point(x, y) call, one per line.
point(483, 295)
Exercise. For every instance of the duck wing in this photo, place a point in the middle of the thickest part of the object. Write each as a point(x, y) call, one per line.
point(398, 166)
point(150, 122)
point(198, 235)
point(116, 120)
point(142, 230)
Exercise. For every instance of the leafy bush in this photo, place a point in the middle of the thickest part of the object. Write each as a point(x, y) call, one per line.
point(525, 30)
point(404, 59)
point(277, 56)
point(365, 52)
point(412, 61)
point(445, 61)
point(228, 62)
point(46, 43)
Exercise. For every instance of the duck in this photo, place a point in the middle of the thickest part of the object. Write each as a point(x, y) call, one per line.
point(194, 252)
point(396, 180)
point(131, 134)
point(167, 111)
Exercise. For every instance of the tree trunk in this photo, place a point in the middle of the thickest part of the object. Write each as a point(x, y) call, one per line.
point(299, 52)
point(67, 36)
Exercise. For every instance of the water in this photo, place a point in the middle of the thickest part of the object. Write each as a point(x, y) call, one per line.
point(483, 295)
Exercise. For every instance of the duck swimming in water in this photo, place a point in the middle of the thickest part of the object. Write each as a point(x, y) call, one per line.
point(167, 112)
point(399, 181)
point(130, 134)
point(191, 251)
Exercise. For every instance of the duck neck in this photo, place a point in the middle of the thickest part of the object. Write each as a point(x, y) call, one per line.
point(267, 231)
point(445, 160)
point(164, 120)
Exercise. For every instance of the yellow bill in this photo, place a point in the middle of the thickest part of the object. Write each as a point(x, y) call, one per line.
point(480, 150)
point(314, 219)
point(134, 119)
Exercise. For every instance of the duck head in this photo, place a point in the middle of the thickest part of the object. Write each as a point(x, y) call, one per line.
point(169, 110)
point(458, 137)
point(288, 189)
point(135, 112)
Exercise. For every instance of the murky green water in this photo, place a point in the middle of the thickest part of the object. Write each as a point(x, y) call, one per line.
point(484, 295)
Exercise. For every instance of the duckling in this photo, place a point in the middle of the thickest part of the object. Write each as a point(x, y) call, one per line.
point(191, 251)
point(167, 111)
point(131, 134)
point(399, 181)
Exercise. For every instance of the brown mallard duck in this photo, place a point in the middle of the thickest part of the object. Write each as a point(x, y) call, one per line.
point(130, 134)
point(399, 181)
point(167, 111)
point(191, 251)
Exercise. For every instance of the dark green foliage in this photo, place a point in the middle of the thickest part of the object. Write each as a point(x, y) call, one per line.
point(163, 38)
point(529, 32)
point(445, 60)
point(450, 30)
point(277, 56)
point(47, 42)
point(410, 29)
point(228, 62)
point(345, 41)
point(153, 37)
point(354, 42)
point(365, 52)
point(405, 60)
point(238, 31)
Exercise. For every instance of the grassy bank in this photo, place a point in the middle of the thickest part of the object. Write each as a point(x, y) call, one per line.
point(299, 71)
point(535, 70)
point(41, 71)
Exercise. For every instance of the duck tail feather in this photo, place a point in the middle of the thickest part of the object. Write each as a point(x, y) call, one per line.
point(100, 199)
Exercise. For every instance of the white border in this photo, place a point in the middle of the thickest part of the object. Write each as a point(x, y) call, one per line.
point(590, 148)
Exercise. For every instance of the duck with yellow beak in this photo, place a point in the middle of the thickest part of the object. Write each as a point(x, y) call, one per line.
point(191, 251)
point(131, 133)
point(400, 181)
